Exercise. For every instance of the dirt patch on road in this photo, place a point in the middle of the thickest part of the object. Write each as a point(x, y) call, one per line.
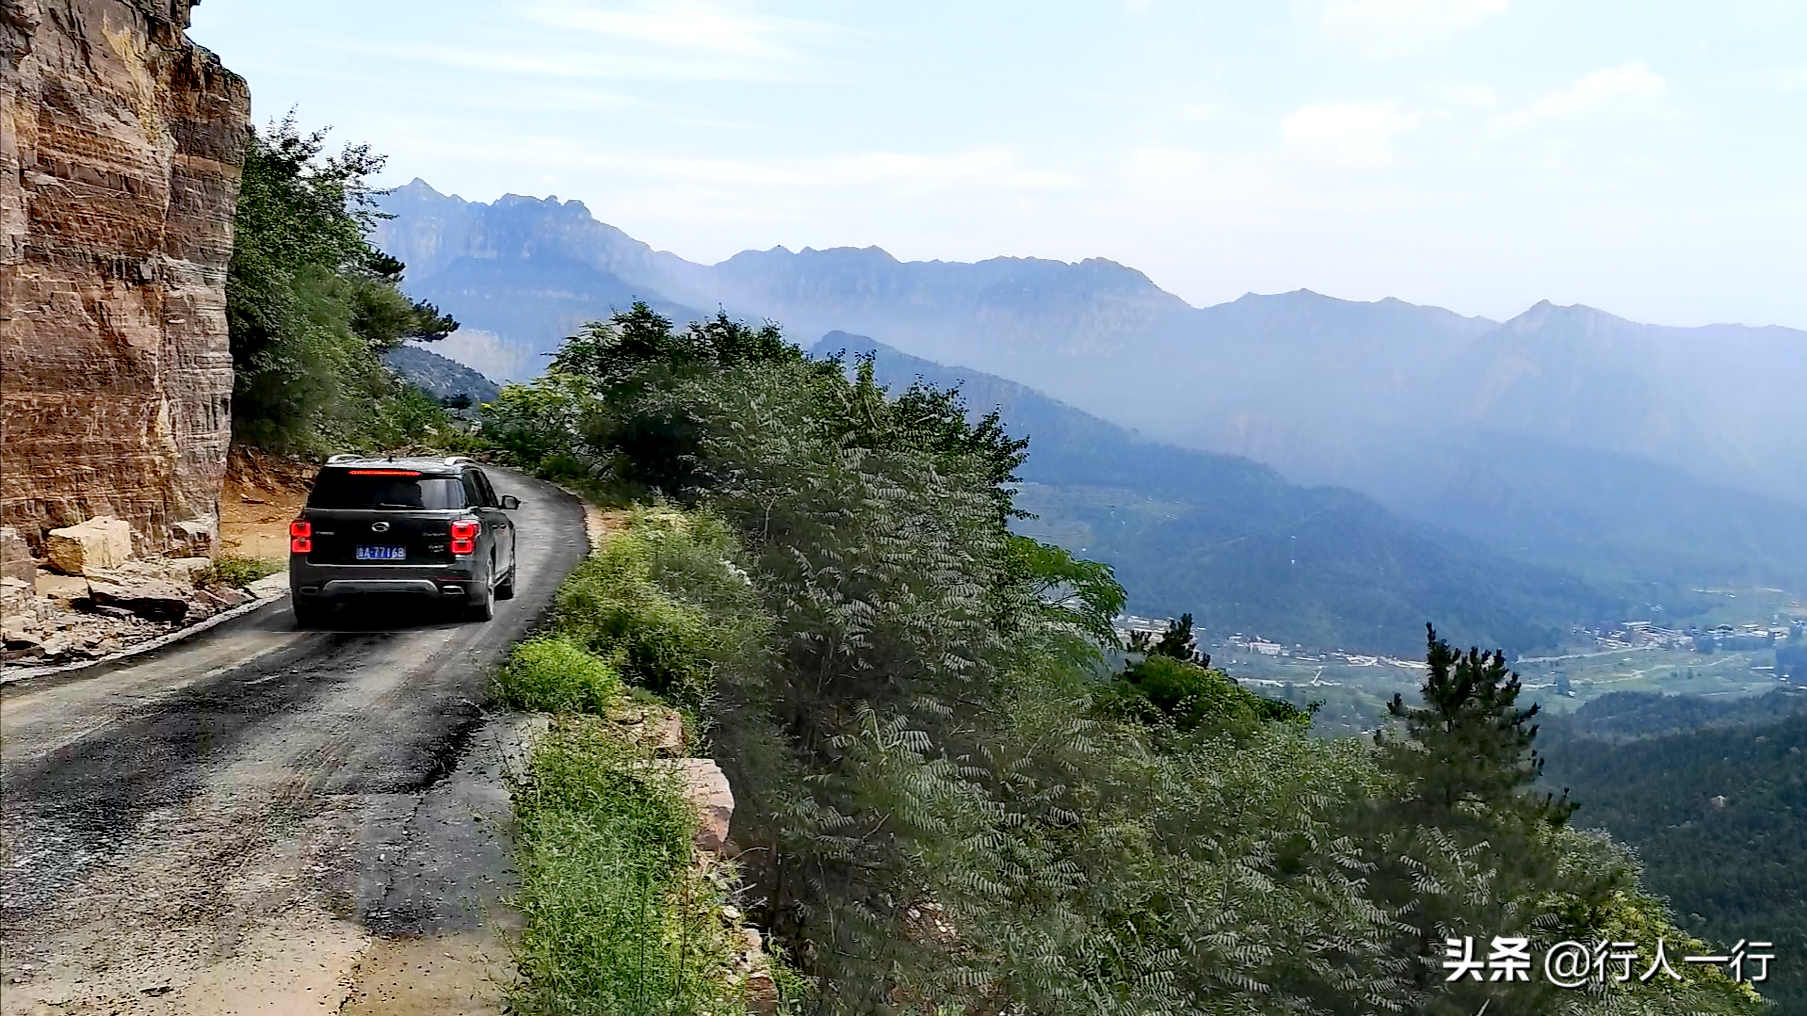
point(457, 974)
point(263, 493)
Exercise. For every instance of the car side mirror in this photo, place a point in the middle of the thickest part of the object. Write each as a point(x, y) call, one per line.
point(510, 502)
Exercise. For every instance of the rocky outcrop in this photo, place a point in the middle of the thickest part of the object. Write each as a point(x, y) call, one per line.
point(707, 790)
point(97, 543)
point(119, 174)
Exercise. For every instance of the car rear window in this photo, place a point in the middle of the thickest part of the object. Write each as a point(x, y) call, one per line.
point(378, 489)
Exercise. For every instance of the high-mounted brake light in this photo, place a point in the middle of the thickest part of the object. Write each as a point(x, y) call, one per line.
point(301, 537)
point(383, 472)
point(464, 536)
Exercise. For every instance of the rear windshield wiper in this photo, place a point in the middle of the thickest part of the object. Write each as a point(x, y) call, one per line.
point(392, 504)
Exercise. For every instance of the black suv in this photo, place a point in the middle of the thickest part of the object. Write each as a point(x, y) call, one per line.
point(425, 527)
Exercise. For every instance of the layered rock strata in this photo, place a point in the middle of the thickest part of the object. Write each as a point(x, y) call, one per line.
point(119, 170)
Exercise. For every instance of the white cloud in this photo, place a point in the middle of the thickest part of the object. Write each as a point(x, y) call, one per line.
point(1467, 95)
point(655, 39)
point(1379, 29)
point(670, 24)
point(1783, 79)
point(1347, 133)
point(1610, 85)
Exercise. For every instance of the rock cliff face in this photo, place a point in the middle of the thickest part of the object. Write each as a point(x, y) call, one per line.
point(119, 170)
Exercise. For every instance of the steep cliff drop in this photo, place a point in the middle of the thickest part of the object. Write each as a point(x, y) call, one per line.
point(121, 144)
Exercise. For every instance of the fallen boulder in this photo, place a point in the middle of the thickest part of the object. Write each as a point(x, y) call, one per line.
point(194, 538)
point(104, 542)
point(16, 599)
point(15, 556)
point(150, 598)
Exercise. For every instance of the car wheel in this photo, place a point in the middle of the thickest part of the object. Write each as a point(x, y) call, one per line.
point(310, 613)
point(483, 606)
point(505, 590)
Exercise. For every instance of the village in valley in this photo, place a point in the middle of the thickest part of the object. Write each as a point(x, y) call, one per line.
point(1756, 641)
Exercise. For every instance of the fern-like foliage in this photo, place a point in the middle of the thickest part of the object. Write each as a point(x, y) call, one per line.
point(946, 803)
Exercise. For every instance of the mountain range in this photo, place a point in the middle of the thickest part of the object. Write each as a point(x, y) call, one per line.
point(1247, 552)
point(1640, 457)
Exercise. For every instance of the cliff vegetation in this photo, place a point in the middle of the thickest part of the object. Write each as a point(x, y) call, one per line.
point(950, 801)
point(311, 305)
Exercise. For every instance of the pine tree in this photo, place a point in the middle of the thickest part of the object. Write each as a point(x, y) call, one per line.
point(1470, 741)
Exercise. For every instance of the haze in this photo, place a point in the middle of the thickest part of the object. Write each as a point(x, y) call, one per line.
point(1480, 155)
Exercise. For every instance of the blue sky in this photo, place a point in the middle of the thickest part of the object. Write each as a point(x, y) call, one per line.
point(1648, 158)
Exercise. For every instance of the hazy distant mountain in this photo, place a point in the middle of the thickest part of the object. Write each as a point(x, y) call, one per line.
point(1236, 544)
point(525, 271)
point(1605, 514)
point(439, 376)
point(1646, 450)
point(1724, 402)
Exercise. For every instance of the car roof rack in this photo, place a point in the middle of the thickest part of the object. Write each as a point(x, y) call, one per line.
point(342, 458)
point(453, 460)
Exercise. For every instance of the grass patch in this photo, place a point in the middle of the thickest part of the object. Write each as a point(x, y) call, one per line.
point(668, 603)
point(618, 918)
point(552, 674)
point(235, 572)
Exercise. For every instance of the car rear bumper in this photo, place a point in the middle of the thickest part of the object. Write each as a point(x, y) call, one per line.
point(359, 587)
point(329, 582)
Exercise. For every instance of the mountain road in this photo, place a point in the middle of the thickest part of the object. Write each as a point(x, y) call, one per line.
point(266, 819)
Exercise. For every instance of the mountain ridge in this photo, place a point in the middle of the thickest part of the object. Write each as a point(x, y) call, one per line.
point(1241, 547)
point(1384, 397)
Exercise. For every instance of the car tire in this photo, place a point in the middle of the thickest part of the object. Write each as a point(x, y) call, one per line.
point(310, 613)
point(483, 606)
point(505, 590)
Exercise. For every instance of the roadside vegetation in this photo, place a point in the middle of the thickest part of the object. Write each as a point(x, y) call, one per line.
point(229, 572)
point(618, 918)
point(948, 799)
point(310, 305)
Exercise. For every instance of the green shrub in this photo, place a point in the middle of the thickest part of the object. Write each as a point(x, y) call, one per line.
point(234, 572)
point(663, 600)
point(556, 675)
point(616, 917)
point(1162, 689)
point(611, 605)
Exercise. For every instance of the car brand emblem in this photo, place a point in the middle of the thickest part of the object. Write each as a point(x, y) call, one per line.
point(379, 527)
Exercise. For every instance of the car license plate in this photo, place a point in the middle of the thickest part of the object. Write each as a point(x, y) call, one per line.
point(382, 553)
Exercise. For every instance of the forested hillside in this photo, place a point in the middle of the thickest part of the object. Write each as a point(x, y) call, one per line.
point(947, 799)
point(1717, 814)
point(1243, 549)
point(449, 381)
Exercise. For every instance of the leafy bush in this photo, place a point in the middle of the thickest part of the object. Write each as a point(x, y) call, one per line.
point(1161, 689)
point(612, 606)
point(617, 919)
point(555, 675)
point(665, 601)
point(235, 572)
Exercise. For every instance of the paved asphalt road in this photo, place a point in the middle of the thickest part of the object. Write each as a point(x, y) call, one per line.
point(234, 823)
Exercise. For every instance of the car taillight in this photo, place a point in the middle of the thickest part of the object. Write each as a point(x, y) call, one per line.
point(464, 537)
point(301, 537)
